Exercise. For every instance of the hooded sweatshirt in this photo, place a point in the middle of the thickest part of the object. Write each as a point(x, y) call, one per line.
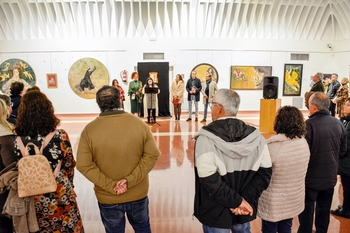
point(232, 162)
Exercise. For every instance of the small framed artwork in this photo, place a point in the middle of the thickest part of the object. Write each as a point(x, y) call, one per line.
point(51, 80)
point(293, 74)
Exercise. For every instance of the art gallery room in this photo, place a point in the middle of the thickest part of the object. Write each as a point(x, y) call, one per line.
point(55, 43)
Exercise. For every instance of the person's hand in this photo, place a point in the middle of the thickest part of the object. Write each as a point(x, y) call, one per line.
point(121, 187)
point(243, 209)
point(206, 97)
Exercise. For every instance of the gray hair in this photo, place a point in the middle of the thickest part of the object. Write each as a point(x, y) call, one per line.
point(320, 100)
point(320, 75)
point(229, 99)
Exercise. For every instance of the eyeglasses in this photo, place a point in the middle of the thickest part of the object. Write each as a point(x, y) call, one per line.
point(214, 103)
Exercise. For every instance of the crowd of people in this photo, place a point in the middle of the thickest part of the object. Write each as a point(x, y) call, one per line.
point(239, 174)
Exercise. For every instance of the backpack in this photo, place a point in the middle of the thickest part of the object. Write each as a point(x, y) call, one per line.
point(35, 175)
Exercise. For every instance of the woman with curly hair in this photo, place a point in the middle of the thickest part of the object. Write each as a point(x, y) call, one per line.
point(57, 211)
point(289, 151)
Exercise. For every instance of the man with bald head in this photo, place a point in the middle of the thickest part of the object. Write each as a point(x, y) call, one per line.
point(326, 137)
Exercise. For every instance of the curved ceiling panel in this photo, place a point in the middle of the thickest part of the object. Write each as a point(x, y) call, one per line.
point(275, 19)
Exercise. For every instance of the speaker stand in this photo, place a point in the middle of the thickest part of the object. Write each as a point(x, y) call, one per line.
point(268, 110)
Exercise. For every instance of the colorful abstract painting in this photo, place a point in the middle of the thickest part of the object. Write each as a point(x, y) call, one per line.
point(249, 77)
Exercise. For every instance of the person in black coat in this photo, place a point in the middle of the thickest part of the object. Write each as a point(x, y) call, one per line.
point(16, 90)
point(344, 169)
point(326, 137)
point(193, 87)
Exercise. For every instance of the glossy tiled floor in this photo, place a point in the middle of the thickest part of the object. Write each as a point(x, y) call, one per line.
point(171, 181)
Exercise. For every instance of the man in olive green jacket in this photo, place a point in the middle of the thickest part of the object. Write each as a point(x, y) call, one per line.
point(116, 152)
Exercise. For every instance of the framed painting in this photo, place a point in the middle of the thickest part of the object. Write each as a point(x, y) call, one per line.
point(293, 75)
point(51, 80)
point(16, 70)
point(86, 76)
point(202, 70)
point(249, 77)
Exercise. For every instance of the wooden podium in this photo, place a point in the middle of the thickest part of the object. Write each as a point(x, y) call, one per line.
point(268, 110)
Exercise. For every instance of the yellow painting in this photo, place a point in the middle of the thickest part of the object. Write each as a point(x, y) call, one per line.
point(249, 77)
point(202, 70)
point(86, 76)
point(292, 79)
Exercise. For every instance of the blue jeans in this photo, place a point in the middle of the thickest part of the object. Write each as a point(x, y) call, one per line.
point(237, 228)
point(193, 98)
point(283, 226)
point(206, 109)
point(113, 216)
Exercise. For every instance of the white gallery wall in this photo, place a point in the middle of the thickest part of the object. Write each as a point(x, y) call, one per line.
point(183, 54)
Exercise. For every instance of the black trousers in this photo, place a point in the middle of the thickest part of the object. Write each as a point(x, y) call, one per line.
point(345, 181)
point(332, 108)
point(323, 200)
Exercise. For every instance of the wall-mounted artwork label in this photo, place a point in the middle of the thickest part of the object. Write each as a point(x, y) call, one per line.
point(86, 76)
point(204, 68)
point(249, 77)
point(16, 70)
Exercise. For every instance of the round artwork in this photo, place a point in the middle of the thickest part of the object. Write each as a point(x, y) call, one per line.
point(16, 70)
point(87, 76)
point(202, 70)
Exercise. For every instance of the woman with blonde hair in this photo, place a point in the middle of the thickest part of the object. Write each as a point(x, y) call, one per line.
point(177, 94)
point(7, 156)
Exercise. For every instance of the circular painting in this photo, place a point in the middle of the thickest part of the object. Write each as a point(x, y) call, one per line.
point(15, 70)
point(202, 70)
point(86, 76)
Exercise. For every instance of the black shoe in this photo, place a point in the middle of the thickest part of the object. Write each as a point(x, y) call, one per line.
point(341, 213)
point(189, 119)
point(196, 119)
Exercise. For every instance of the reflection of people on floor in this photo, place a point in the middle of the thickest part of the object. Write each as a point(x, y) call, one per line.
point(86, 81)
point(190, 143)
point(178, 150)
point(150, 103)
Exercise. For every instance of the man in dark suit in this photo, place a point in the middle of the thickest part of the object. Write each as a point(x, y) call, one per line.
point(193, 87)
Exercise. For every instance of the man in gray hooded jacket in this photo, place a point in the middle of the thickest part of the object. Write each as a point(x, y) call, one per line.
point(232, 168)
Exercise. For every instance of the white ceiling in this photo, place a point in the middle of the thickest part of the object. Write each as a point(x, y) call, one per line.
point(268, 19)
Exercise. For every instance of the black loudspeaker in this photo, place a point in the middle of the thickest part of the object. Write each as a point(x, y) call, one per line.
point(270, 89)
